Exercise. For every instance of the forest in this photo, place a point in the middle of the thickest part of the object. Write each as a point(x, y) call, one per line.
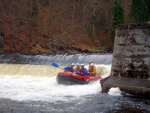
point(66, 26)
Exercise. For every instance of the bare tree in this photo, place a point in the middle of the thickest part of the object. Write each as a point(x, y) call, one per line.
point(49, 18)
point(110, 18)
point(13, 24)
point(29, 18)
point(83, 15)
point(73, 10)
point(93, 19)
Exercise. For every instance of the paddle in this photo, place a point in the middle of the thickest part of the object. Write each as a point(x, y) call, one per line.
point(56, 65)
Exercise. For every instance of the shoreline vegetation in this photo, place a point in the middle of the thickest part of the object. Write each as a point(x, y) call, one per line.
point(58, 52)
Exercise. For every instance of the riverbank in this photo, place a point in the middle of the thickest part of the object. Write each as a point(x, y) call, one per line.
point(74, 51)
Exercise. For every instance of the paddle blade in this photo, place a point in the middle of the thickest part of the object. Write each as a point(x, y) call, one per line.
point(54, 64)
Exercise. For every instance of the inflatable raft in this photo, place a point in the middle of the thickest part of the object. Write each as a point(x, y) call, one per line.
point(72, 78)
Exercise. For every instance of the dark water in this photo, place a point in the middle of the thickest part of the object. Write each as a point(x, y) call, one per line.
point(97, 103)
point(92, 103)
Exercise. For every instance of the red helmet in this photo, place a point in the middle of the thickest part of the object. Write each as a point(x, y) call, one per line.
point(90, 62)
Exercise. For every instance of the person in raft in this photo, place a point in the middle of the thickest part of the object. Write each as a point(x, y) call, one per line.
point(91, 69)
point(83, 71)
point(77, 69)
point(69, 68)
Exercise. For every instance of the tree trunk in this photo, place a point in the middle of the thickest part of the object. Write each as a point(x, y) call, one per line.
point(83, 12)
point(93, 22)
point(73, 12)
point(110, 18)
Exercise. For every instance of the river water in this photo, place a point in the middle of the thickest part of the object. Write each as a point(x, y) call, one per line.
point(28, 85)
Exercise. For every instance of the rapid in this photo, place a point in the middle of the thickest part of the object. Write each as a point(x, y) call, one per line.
point(38, 82)
point(31, 80)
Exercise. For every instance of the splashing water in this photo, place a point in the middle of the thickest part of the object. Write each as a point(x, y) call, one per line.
point(38, 82)
point(115, 91)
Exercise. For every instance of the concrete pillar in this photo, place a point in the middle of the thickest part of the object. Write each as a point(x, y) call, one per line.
point(131, 55)
point(131, 59)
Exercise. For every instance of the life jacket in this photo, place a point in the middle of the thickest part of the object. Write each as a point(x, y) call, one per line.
point(77, 69)
point(82, 70)
point(92, 69)
point(71, 69)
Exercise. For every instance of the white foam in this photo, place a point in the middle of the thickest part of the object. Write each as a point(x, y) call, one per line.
point(32, 85)
point(114, 91)
point(42, 88)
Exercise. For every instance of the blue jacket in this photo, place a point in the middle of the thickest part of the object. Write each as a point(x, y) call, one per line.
point(68, 68)
point(85, 72)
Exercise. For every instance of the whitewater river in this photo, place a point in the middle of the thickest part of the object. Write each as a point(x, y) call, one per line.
point(28, 85)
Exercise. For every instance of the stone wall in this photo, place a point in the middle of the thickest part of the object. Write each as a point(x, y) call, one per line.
point(131, 55)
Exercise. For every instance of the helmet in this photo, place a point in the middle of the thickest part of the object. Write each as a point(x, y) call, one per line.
point(82, 64)
point(72, 64)
point(90, 62)
point(77, 64)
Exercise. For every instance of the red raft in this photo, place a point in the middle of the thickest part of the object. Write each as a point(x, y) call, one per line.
point(72, 78)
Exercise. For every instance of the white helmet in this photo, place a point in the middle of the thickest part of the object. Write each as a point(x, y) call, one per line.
point(77, 63)
point(82, 64)
point(91, 64)
point(72, 64)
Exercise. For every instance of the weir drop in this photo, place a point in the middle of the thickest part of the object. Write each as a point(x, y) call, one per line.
point(30, 81)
